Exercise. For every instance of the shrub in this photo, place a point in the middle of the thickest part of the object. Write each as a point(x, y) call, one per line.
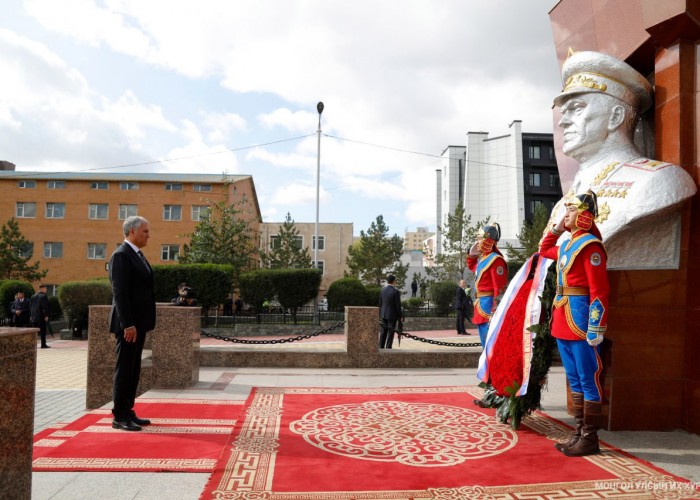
point(211, 283)
point(8, 289)
point(442, 293)
point(55, 311)
point(296, 287)
point(346, 292)
point(412, 305)
point(256, 287)
point(75, 297)
point(372, 295)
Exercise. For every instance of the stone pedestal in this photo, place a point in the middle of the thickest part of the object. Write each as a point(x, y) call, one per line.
point(17, 390)
point(170, 357)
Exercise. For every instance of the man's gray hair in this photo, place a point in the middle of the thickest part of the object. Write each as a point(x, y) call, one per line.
point(134, 222)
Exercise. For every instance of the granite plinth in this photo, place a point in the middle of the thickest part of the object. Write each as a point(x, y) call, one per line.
point(170, 357)
point(17, 389)
point(361, 351)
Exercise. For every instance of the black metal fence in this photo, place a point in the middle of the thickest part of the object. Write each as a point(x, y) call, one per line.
point(306, 315)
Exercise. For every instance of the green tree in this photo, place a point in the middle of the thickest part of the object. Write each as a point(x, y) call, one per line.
point(529, 236)
point(458, 235)
point(376, 255)
point(15, 252)
point(286, 251)
point(223, 236)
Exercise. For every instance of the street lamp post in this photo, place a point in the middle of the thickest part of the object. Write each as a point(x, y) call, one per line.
point(319, 108)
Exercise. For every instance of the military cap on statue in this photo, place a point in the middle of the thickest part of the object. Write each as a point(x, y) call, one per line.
point(585, 72)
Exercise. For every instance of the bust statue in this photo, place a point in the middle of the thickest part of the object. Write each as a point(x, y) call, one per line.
point(639, 198)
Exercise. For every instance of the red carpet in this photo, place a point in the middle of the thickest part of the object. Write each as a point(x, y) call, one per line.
point(184, 436)
point(411, 443)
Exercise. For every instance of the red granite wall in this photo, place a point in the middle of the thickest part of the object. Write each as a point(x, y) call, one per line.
point(653, 378)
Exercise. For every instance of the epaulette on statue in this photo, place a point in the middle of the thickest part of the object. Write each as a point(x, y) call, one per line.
point(648, 165)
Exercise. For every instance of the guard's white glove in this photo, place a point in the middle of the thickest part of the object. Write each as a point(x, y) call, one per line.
point(559, 228)
point(474, 250)
point(594, 339)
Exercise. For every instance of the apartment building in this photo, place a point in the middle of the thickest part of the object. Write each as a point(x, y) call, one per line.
point(74, 219)
point(503, 177)
point(415, 240)
point(333, 238)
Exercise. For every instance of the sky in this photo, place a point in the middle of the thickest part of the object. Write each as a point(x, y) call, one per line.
point(231, 86)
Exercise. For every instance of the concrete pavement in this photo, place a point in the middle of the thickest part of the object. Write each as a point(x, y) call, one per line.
point(61, 379)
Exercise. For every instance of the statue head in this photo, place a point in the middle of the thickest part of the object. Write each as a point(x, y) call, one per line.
point(602, 97)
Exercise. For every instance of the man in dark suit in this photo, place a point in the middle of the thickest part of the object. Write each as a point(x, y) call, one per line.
point(40, 313)
point(389, 312)
point(461, 307)
point(133, 315)
point(20, 310)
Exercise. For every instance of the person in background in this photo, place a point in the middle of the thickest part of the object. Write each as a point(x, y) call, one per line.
point(461, 307)
point(228, 306)
point(21, 310)
point(182, 290)
point(414, 287)
point(188, 298)
point(39, 314)
point(389, 312)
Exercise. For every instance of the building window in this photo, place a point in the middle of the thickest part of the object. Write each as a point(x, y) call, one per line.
point(199, 212)
point(321, 242)
point(98, 211)
point(169, 252)
point(201, 187)
point(55, 210)
point(56, 184)
point(129, 186)
point(97, 250)
point(534, 152)
point(27, 184)
point(534, 204)
point(320, 264)
point(51, 290)
point(172, 212)
point(275, 242)
point(26, 251)
point(53, 250)
point(127, 211)
point(26, 209)
point(173, 186)
point(99, 185)
point(535, 179)
point(551, 153)
point(554, 181)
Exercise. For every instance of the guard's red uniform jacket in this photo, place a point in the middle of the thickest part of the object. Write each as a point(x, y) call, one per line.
point(581, 301)
point(491, 279)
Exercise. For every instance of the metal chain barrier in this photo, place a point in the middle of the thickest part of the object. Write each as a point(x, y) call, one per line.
point(434, 342)
point(277, 341)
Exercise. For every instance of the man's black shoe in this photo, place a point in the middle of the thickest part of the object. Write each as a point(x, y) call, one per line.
point(140, 421)
point(46, 347)
point(125, 425)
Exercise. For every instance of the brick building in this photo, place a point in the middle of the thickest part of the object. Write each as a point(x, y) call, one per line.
point(73, 219)
point(334, 240)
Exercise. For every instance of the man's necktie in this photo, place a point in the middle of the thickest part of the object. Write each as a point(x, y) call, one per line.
point(143, 259)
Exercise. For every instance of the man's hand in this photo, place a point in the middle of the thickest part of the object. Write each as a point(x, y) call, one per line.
point(474, 250)
point(594, 339)
point(130, 334)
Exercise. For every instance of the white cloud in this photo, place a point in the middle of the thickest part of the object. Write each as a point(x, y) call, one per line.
point(222, 125)
point(298, 121)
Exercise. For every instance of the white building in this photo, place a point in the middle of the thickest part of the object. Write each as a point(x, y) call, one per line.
point(502, 177)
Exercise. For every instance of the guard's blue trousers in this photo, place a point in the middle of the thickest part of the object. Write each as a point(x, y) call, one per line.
point(583, 365)
point(483, 330)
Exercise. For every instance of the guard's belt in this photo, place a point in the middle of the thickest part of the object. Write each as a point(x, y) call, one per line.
point(484, 294)
point(572, 290)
